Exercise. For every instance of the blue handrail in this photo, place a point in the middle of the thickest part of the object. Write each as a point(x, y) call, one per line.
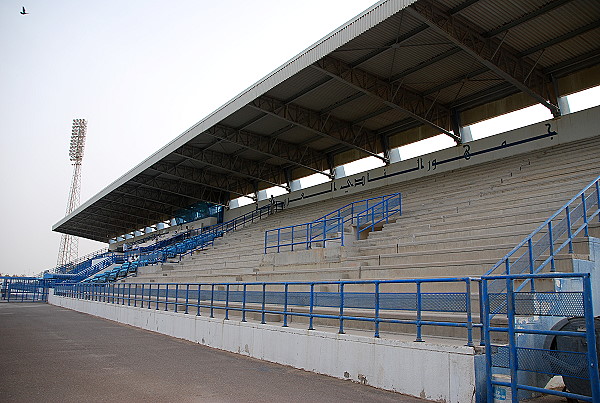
point(330, 227)
point(284, 298)
point(540, 248)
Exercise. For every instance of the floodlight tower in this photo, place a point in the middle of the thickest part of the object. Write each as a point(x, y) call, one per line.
point(68, 249)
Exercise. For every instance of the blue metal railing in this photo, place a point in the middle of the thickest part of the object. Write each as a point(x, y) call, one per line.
point(189, 241)
point(23, 289)
point(519, 357)
point(539, 250)
point(366, 213)
point(79, 263)
point(379, 306)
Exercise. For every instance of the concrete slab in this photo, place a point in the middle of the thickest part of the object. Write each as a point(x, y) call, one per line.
point(52, 354)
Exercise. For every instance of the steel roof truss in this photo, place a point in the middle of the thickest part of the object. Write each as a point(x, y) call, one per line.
point(263, 172)
point(323, 125)
point(493, 53)
point(219, 183)
point(301, 156)
point(393, 95)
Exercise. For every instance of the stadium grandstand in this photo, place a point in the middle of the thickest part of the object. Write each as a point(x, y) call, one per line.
point(468, 273)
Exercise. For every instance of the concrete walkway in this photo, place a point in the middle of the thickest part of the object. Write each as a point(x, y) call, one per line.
point(50, 354)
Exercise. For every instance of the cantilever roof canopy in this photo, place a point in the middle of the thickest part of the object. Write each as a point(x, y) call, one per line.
point(399, 72)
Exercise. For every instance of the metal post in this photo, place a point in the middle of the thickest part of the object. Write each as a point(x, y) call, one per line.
point(419, 338)
point(176, 297)
point(585, 220)
point(244, 304)
point(570, 233)
point(212, 300)
point(198, 300)
point(227, 301)
point(264, 297)
point(166, 297)
point(551, 240)
point(469, 316)
point(487, 340)
point(531, 263)
point(512, 342)
point(312, 303)
point(341, 331)
point(285, 304)
point(187, 297)
point(129, 295)
point(592, 354)
point(376, 309)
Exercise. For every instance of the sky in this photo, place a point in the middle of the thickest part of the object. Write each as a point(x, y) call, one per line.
point(141, 73)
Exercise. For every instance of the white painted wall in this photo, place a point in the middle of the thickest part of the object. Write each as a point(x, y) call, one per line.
point(434, 372)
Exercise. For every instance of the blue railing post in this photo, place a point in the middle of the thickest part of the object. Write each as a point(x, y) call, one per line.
point(308, 235)
point(551, 245)
point(227, 301)
point(198, 301)
point(531, 262)
point(512, 341)
point(176, 296)
point(592, 354)
point(311, 308)
point(167, 297)
point(244, 304)
point(187, 297)
point(212, 300)
point(598, 196)
point(469, 316)
point(292, 242)
point(341, 290)
point(419, 338)
point(376, 309)
point(264, 297)
point(129, 295)
point(487, 340)
point(585, 219)
point(266, 241)
point(569, 231)
point(285, 304)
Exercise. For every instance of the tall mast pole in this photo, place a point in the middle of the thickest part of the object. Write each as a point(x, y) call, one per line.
point(68, 249)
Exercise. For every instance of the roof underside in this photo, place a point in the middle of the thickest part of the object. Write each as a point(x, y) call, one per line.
point(401, 74)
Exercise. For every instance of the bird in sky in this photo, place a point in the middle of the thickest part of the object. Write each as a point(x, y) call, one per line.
point(23, 12)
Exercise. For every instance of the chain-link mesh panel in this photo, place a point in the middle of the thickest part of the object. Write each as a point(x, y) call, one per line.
point(552, 362)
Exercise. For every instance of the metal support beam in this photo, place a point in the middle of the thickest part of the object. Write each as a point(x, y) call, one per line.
point(214, 184)
point(393, 95)
point(301, 156)
point(235, 165)
point(324, 125)
point(522, 73)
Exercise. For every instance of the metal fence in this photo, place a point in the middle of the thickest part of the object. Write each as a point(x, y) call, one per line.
point(365, 214)
point(23, 289)
point(379, 302)
point(528, 349)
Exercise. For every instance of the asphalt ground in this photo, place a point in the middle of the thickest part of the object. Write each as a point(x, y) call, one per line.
point(51, 354)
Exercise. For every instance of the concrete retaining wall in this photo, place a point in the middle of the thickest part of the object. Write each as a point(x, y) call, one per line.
point(435, 372)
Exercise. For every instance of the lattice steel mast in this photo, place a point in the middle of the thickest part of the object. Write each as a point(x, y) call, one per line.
point(68, 249)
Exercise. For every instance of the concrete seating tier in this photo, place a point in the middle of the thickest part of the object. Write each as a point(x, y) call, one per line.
point(457, 223)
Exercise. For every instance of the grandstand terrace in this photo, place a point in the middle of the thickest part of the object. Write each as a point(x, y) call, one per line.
point(452, 276)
